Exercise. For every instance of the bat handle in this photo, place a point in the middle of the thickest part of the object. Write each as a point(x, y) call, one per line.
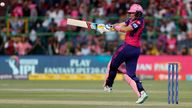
point(88, 25)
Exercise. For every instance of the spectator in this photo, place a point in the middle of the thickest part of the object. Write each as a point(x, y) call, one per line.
point(32, 37)
point(52, 26)
point(53, 46)
point(18, 9)
point(78, 50)
point(59, 14)
point(85, 49)
point(42, 7)
point(63, 50)
point(37, 48)
point(59, 35)
point(47, 18)
point(23, 47)
point(184, 51)
point(10, 46)
point(152, 50)
point(83, 10)
point(17, 25)
point(172, 45)
point(26, 10)
point(74, 13)
point(189, 7)
point(33, 12)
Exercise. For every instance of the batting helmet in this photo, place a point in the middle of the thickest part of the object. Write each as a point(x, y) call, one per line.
point(135, 8)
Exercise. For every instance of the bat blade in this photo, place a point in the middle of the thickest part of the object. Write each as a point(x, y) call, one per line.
point(78, 23)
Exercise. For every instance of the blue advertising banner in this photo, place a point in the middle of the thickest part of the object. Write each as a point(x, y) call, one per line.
point(20, 67)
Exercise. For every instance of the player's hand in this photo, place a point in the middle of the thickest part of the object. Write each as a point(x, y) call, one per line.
point(105, 28)
point(109, 27)
point(101, 28)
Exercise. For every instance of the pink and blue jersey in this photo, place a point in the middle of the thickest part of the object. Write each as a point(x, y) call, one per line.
point(133, 37)
point(128, 53)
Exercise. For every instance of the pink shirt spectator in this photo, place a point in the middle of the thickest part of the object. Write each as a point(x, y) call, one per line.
point(63, 23)
point(74, 13)
point(171, 44)
point(23, 48)
point(18, 11)
point(32, 6)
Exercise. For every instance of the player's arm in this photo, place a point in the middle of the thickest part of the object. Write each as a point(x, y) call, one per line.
point(121, 27)
point(124, 28)
point(120, 24)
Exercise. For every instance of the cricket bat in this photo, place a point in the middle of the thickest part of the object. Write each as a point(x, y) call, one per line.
point(78, 23)
point(90, 25)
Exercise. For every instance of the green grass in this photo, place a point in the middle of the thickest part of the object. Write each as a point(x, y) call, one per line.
point(86, 94)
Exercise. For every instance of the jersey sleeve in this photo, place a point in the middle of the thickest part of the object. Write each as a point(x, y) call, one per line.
point(136, 24)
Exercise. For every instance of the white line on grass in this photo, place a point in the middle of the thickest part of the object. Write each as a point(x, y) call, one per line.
point(76, 90)
point(85, 102)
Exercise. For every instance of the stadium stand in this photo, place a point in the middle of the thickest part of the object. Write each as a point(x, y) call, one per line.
point(38, 27)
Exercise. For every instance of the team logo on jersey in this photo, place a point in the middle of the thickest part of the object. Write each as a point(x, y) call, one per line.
point(135, 25)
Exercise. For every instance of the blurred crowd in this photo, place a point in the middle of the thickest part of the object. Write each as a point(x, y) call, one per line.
point(38, 27)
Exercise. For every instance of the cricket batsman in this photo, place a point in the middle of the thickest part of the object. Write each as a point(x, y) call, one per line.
point(128, 52)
